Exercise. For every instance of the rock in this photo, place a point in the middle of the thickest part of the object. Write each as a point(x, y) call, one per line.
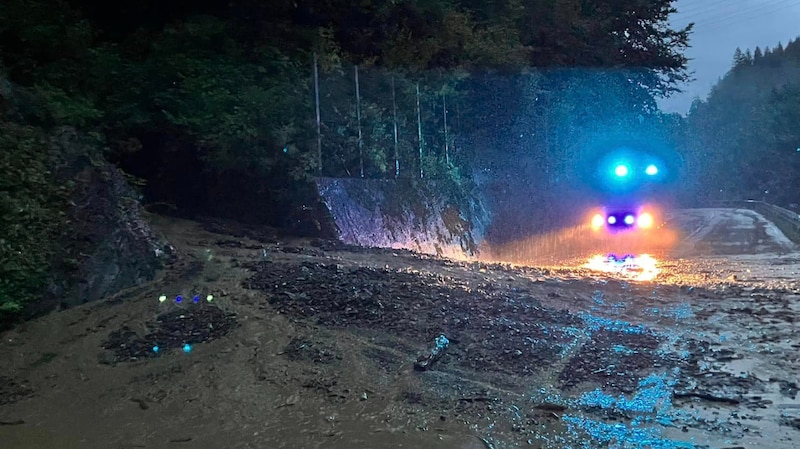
point(110, 246)
point(416, 215)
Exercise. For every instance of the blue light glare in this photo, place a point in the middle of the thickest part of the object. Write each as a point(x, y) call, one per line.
point(652, 404)
point(629, 219)
point(612, 220)
point(651, 170)
point(621, 170)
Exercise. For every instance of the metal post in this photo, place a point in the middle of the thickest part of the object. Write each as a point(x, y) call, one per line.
point(446, 143)
point(358, 117)
point(394, 114)
point(319, 126)
point(419, 134)
point(457, 147)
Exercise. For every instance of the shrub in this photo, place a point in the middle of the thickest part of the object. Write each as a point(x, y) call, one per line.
point(32, 215)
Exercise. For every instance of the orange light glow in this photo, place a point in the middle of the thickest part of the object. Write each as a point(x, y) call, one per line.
point(640, 268)
point(645, 221)
point(598, 221)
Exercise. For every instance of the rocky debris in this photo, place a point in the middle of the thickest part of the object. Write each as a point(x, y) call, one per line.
point(171, 330)
point(11, 390)
point(703, 380)
point(607, 355)
point(230, 243)
point(525, 337)
point(706, 397)
point(489, 327)
point(310, 220)
point(336, 245)
point(788, 389)
point(791, 422)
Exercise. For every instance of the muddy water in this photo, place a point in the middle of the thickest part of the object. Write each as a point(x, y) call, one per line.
point(696, 359)
point(729, 281)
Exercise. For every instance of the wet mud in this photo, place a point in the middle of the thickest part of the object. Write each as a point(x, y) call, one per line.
point(314, 344)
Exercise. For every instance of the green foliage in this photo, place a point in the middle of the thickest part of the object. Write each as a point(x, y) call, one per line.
point(64, 109)
point(230, 87)
point(237, 80)
point(512, 34)
point(32, 215)
point(744, 137)
point(241, 111)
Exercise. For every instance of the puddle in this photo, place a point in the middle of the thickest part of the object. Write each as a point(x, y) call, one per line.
point(746, 367)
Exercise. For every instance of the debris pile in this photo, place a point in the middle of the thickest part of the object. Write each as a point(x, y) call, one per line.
point(174, 329)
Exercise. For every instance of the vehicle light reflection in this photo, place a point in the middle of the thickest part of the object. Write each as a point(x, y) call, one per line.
point(640, 268)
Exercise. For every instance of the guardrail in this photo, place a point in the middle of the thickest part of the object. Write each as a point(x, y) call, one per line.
point(787, 221)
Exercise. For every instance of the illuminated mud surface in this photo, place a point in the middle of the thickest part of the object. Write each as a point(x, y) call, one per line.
point(622, 362)
point(326, 338)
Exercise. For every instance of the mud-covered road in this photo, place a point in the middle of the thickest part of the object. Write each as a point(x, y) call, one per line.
point(312, 344)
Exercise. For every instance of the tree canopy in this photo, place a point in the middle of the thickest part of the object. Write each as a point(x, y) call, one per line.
point(744, 139)
point(211, 104)
point(229, 85)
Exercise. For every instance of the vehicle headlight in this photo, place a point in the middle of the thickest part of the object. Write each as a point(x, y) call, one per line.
point(645, 221)
point(598, 221)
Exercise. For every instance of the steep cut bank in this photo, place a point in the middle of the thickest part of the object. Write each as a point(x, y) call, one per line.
point(72, 229)
point(430, 217)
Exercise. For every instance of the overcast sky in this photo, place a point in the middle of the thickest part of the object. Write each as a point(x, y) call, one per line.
point(720, 27)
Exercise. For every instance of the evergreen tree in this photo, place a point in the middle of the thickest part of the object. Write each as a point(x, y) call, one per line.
point(747, 132)
point(740, 59)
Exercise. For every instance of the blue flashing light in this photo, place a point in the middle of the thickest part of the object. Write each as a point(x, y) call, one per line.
point(178, 298)
point(651, 170)
point(187, 348)
point(630, 219)
point(621, 170)
point(155, 349)
point(612, 220)
point(196, 298)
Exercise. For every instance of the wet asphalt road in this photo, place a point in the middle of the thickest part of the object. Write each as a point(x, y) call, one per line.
point(748, 312)
point(729, 280)
point(730, 245)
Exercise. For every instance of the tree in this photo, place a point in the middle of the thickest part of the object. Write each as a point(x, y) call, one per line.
point(738, 57)
point(746, 134)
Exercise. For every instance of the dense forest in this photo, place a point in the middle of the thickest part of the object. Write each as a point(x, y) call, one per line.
point(743, 141)
point(208, 107)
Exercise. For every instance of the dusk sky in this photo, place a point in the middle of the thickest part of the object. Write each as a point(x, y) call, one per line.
point(720, 27)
